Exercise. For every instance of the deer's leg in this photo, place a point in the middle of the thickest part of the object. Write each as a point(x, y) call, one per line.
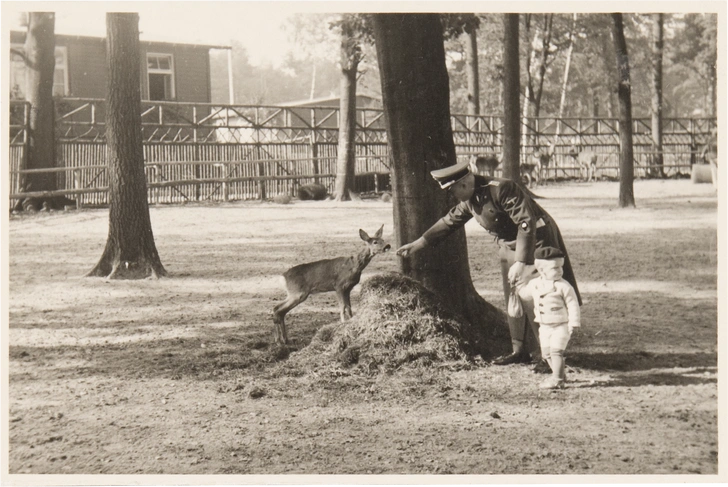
point(342, 295)
point(347, 303)
point(279, 315)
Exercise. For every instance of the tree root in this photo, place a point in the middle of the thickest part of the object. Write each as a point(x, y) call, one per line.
point(127, 270)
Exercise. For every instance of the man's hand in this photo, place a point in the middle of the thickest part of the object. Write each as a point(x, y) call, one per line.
point(574, 331)
point(515, 273)
point(411, 247)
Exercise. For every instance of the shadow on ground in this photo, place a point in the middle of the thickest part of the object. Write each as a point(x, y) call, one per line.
point(654, 378)
point(207, 356)
point(646, 369)
point(640, 360)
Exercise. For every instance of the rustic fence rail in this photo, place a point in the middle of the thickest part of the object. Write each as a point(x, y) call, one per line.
point(209, 152)
point(196, 180)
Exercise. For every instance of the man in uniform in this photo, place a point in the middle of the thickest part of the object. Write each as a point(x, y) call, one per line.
point(520, 226)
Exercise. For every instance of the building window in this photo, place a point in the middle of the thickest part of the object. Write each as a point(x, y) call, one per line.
point(60, 76)
point(19, 80)
point(160, 76)
point(17, 74)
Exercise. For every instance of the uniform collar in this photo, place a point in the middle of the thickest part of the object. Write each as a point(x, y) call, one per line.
point(481, 193)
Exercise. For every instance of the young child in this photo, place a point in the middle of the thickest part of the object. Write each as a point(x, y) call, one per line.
point(557, 311)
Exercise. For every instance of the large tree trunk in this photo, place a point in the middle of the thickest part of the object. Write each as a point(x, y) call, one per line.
point(657, 45)
point(471, 69)
point(624, 92)
point(40, 63)
point(415, 91)
point(345, 163)
point(130, 251)
point(511, 94)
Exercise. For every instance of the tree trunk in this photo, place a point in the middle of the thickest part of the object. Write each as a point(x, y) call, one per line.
point(565, 82)
point(511, 94)
point(545, 43)
point(712, 71)
point(528, 90)
point(657, 46)
point(40, 63)
point(130, 251)
point(713, 89)
point(345, 163)
point(471, 68)
point(624, 92)
point(610, 105)
point(527, 95)
point(313, 82)
point(595, 108)
point(415, 91)
point(611, 93)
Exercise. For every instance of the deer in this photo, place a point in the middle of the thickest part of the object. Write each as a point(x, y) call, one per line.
point(587, 162)
point(339, 274)
point(541, 159)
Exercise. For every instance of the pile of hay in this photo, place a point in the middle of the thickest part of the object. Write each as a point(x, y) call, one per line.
point(398, 323)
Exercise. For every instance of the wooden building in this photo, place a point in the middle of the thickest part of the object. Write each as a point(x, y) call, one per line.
point(318, 111)
point(169, 71)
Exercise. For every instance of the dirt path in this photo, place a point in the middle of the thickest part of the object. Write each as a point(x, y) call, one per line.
point(175, 376)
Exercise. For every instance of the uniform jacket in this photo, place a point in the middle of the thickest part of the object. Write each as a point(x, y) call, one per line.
point(502, 208)
point(554, 302)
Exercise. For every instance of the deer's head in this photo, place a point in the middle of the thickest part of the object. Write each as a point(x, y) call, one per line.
point(375, 244)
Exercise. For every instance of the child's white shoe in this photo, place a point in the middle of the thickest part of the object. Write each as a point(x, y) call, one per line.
point(552, 383)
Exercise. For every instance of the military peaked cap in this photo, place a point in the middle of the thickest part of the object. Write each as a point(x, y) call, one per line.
point(546, 253)
point(447, 176)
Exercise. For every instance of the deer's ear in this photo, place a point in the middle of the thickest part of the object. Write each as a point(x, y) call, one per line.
point(363, 235)
point(379, 232)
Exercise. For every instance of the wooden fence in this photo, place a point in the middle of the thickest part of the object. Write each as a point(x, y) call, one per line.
point(206, 152)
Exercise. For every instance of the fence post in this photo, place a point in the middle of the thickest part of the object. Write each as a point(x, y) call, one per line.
point(157, 179)
point(261, 166)
point(194, 124)
point(225, 176)
point(26, 146)
point(77, 185)
point(314, 147)
point(579, 146)
point(693, 145)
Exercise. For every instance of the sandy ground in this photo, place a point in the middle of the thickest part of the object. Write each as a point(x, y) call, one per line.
point(175, 376)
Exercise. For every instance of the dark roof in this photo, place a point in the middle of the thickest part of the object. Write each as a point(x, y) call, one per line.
point(19, 36)
point(315, 101)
